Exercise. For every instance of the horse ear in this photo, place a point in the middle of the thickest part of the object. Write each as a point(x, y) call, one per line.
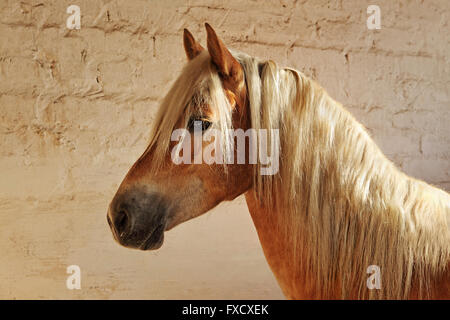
point(191, 46)
point(227, 65)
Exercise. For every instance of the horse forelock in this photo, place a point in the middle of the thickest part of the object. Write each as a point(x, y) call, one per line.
point(198, 83)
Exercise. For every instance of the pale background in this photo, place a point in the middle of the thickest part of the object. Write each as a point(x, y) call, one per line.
point(76, 108)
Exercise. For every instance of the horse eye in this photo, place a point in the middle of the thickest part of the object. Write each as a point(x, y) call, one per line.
point(205, 124)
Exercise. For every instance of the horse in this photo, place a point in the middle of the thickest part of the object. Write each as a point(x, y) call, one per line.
point(336, 207)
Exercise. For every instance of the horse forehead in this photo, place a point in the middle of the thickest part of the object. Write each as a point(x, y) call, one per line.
point(207, 111)
point(238, 90)
point(234, 84)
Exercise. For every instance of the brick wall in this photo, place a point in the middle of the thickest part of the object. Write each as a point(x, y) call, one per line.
point(76, 108)
point(76, 105)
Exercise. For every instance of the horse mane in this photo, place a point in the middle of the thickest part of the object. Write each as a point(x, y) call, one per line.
point(344, 205)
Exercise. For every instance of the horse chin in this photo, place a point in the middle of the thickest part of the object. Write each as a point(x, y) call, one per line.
point(154, 240)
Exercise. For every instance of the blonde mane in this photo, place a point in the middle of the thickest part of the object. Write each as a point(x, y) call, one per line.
point(344, 204)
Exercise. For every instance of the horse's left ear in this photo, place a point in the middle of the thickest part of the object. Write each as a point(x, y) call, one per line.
point(229, 68)
point(191, 46)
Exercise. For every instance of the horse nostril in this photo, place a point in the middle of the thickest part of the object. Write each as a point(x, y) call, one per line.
point(121, 222)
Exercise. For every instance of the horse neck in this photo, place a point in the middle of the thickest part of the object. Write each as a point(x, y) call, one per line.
point(340, 206)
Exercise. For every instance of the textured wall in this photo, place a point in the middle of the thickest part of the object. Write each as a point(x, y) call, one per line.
point(76, 107)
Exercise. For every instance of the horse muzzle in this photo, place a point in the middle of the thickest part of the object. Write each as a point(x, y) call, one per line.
point(138, 219)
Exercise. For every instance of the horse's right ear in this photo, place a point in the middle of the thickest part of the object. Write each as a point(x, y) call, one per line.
point(191, 46)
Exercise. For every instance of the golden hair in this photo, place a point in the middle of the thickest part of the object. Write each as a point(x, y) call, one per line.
point(344, 205)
